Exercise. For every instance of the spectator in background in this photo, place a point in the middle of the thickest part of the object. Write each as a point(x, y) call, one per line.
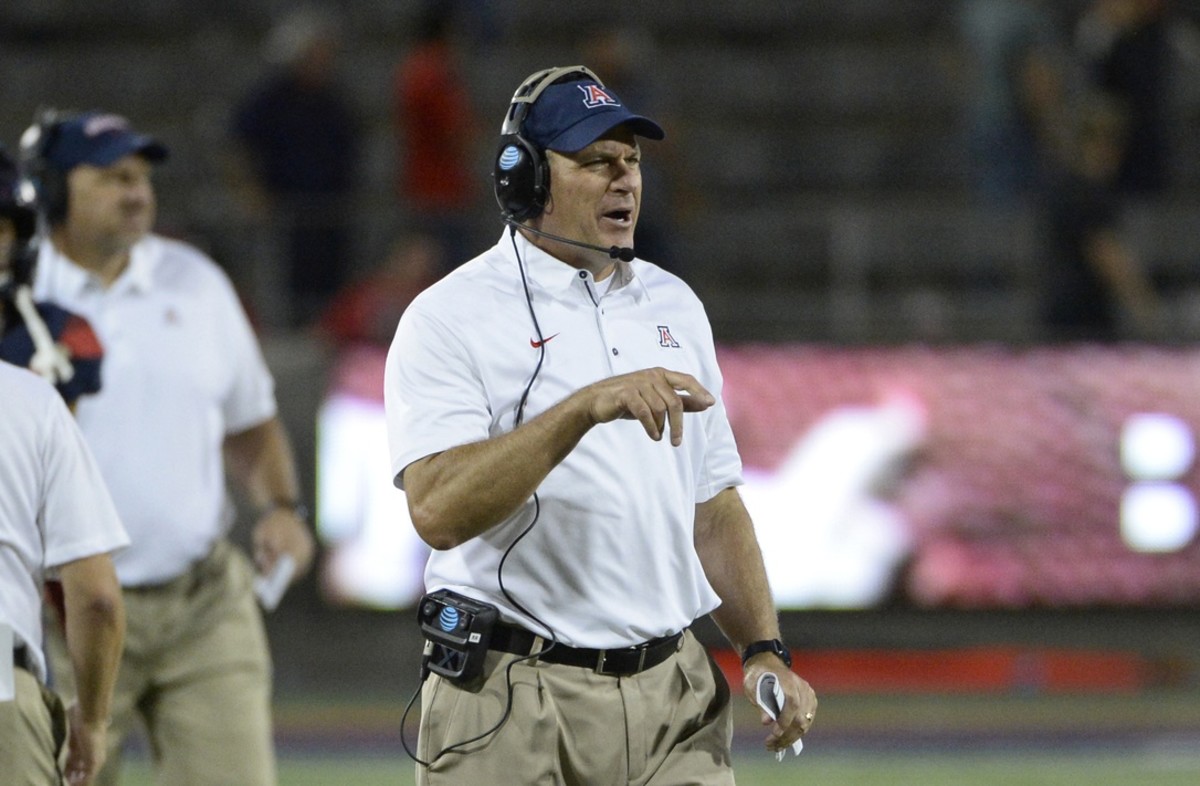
point(56, 344)
point(1017, 72)
point(486, 21)
point(55, 515)
point(372, 555)
point(367, 311)
point(295, 158)
point(437, 134)
point(1126, 52)
point(1095, 286)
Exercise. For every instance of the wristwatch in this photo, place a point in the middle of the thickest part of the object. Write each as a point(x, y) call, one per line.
point(297, 507)
point(768, 645)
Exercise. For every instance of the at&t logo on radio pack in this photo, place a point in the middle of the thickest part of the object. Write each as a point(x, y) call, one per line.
point(449, 618)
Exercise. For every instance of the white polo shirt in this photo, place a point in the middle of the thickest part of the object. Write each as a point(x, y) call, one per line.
point(611, 560)
point(182, 369)
point(54, 508)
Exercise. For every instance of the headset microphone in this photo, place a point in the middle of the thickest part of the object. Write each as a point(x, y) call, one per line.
point(623, 253)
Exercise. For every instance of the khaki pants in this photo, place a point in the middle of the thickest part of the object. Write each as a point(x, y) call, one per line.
point(196, 670)
point(32, 731)
point(667, 726)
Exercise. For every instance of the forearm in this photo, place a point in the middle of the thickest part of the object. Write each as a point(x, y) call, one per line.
point(460, 493)
point(260, 458)
point(95, 630)
point(732, 560)
point(729, 551)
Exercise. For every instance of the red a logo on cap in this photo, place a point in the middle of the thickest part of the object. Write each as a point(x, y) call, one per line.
point(594, 96)
point(101, 124)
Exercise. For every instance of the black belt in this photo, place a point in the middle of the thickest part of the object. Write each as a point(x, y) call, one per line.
point(21, 658)
point(616, 662)
point(192, 577)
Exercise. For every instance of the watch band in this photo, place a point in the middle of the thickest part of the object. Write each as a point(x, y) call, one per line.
point(768, 645)
point(297, 507)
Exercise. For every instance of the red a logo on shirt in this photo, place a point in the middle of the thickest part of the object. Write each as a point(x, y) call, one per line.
point(665, 339)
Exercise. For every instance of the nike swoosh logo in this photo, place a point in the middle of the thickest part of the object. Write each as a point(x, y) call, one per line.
point(538, 344)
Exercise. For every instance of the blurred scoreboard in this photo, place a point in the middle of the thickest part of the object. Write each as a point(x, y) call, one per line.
point(971, 477)
point(940, 477)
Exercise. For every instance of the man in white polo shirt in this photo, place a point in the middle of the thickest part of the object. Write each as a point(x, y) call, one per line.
point(185, 387)
point(555, 418)
point(55, 517)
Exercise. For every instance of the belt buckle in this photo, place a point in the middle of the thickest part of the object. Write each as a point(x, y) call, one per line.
point(602, 658)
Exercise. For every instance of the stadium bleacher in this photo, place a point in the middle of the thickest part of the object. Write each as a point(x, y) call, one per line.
point(821, 137)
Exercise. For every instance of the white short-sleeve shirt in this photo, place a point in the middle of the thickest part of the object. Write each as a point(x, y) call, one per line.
point(182, 369)
point(54, 507)
point(611, 560)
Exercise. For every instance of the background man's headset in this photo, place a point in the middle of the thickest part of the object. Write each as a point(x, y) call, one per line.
point(23, 200)
point(49, 182)
point(18, 203)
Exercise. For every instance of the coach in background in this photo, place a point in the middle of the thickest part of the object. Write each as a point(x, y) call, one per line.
point(185, 390)
point(55, 516)
point(555, 417)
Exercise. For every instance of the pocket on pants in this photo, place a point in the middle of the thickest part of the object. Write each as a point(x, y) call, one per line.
point(58, 719)
point(707, 689)
point(467, 722)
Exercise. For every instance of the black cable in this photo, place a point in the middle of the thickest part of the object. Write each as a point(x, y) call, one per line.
point(520, 414)
point(517, 420)
point(454, 748)
point(537, 509)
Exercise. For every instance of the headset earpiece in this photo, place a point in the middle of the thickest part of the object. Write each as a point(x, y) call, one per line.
point(48, 182)
point(521, 173)
point(521, 178)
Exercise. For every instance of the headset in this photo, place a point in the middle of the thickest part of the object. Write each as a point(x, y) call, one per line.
point(17, 203)
point(49, 182)
point(521, 174)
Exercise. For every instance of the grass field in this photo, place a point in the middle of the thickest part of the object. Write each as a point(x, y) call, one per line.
point(1150, 739)
point(835, 769)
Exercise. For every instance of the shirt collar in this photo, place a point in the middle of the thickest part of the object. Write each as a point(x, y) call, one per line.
point(557, 278)
point(70, 277)
point(143, 261)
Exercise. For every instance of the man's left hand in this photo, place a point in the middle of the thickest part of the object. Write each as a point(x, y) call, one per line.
point(799, 701)
point(282, 531)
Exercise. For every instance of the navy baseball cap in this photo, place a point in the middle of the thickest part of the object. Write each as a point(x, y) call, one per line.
point(100, 139)
point(570, 116)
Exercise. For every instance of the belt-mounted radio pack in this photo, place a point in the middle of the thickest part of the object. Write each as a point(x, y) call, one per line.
point(457, 631)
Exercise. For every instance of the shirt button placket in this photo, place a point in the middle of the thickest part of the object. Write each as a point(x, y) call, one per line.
point(614, 352)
